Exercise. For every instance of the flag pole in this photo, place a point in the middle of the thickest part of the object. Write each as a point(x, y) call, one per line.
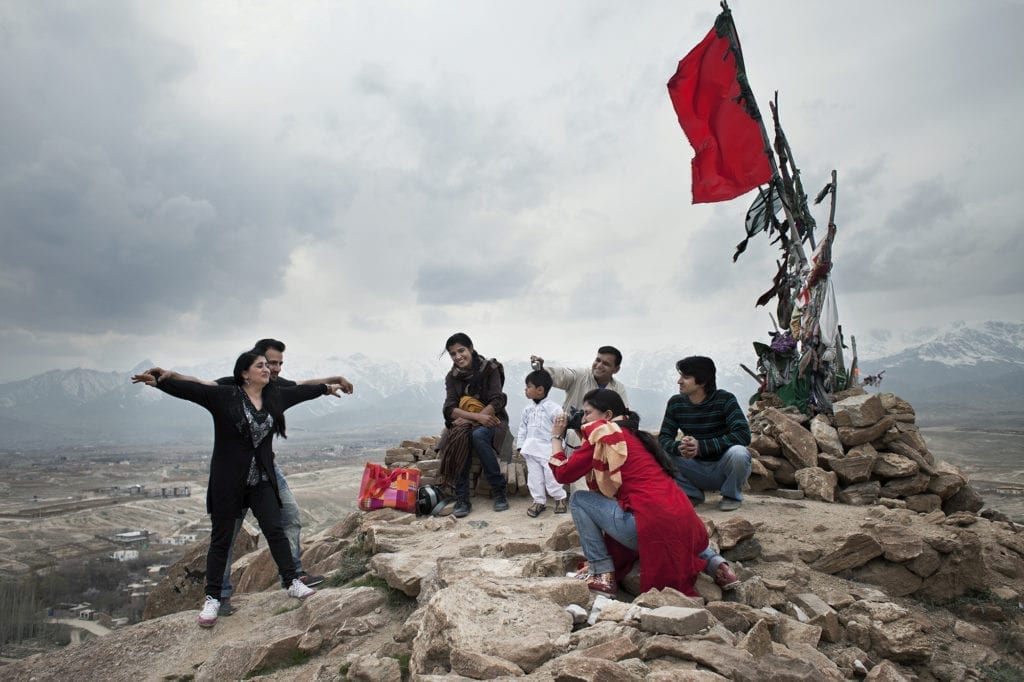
point(750, 103)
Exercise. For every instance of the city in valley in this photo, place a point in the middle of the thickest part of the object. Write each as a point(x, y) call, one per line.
point(86, 532)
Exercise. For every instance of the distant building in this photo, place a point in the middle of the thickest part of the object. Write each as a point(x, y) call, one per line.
point(131, 538)
point(183, 539)
point(125, 555)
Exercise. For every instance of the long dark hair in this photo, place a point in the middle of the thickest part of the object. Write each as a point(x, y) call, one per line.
point(271, 397)
point(476, 380)
point(605, 399)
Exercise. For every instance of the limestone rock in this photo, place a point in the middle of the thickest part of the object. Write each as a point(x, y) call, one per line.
point(563, 537)
point(370, 668)
point(790, 631)
point(966, 499)
point(858, 411)
point(754, 593)
point(961, 568)
point(856, 550)
point(855, 466)
point(901, 640)
point(817, 484)
point(826, 436)
point(797, 444)
point(852, 435)
point(901, 448)
point(925, 563)
point(746, 550)
point(895, 579)
point(765, 445)
point(947, 480)
point(924, 503)
point(758, 640)
point(820, 614)
point(734, 530)
point(675, 620)
point(974, 633)
point(761, 478)
point(616, 649)
point(581, 669)
point(898, 542)
point(731, 662)
point(860, 493)
point(739, 617)
point(465, 618)
point(891, 465)
point(259, 574)
point(905, 487)
point(668, 596)
point(403, 571)
point(886, 671)
point(478, 666)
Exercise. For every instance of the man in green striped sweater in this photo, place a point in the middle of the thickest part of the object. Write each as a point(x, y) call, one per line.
point(711, 454)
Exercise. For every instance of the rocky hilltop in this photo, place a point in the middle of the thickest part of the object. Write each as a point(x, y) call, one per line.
point(861, 557)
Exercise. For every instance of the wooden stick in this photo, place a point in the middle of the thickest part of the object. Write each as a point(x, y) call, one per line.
point(747, 370)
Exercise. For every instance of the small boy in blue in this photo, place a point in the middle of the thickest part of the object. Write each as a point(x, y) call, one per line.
point(534, 441)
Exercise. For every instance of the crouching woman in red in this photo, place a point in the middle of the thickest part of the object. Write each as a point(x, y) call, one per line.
point(634, 509)
point(245, 417)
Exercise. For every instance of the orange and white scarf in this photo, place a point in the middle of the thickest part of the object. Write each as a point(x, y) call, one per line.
point(609, 455)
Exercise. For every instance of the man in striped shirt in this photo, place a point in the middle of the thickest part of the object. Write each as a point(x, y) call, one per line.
point(712, 452)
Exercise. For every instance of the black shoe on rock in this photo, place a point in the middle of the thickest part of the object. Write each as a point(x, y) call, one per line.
point(310, 580)
point(462, 508)
point(500, 503)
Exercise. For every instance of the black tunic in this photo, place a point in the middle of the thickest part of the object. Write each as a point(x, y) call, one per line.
point(232, 443)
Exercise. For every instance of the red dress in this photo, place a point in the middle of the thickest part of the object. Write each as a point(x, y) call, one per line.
point(670, 535)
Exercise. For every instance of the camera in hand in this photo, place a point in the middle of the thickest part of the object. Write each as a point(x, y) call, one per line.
point(574, 418)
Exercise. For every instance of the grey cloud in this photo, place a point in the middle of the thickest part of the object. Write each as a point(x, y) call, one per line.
point(601, 294)
point(939, 244)
point(115, 217)
point(479, 278)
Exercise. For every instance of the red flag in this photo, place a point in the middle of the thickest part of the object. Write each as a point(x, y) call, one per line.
point(718, 118)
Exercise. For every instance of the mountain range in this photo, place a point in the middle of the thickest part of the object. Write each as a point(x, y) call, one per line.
point(957, 375)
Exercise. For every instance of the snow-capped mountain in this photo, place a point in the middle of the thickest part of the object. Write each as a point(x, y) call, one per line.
point(960, 344)
point(965, 367)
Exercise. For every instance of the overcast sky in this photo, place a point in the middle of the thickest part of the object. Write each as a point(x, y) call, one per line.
point(178, 179)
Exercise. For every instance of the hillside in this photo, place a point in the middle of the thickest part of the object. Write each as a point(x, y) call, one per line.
point(861, 556)
point(482, 597)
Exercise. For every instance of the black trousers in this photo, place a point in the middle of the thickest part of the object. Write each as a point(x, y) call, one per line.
point(263, 503)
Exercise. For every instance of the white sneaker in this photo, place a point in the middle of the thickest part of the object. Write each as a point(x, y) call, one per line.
point(208, 616)
point(299, 590)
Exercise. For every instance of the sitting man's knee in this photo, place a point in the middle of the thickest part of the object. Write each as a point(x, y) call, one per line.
point(739, 455)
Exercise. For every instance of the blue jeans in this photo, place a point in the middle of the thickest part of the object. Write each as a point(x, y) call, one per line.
point(728, 475)
point(291, 522)
point(484, 449)
point(596, 516)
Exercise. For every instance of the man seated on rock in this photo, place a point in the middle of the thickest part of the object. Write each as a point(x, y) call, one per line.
point(712, 453)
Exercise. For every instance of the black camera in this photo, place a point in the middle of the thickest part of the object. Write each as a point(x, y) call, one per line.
point(574, 419)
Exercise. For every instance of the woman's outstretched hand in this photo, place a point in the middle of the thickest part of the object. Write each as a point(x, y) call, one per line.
point(337, 389)
point(144, 378)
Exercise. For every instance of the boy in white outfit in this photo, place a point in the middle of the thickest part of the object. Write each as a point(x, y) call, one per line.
point(534, 440)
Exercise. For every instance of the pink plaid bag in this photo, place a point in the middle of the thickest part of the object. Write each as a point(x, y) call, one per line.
point(383, 488)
